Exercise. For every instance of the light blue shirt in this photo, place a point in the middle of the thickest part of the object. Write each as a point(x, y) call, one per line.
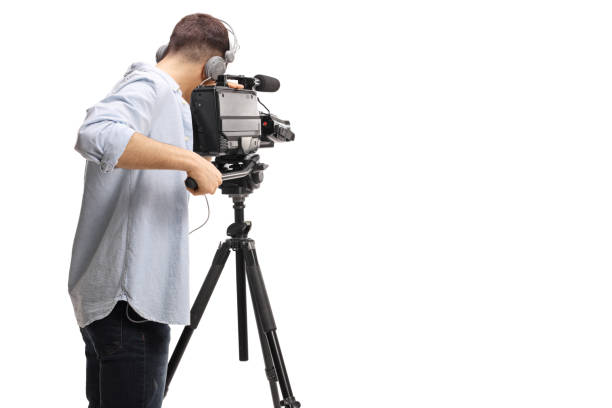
point(131, 241)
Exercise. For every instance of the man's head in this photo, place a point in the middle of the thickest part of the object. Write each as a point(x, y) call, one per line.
point(194, 40)
point(197, 37)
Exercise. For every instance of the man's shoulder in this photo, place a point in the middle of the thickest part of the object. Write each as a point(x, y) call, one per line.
point(149, 76)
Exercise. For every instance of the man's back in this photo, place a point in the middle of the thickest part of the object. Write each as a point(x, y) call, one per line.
point(131, 241)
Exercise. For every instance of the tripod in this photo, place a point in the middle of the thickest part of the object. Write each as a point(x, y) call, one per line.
point(247, 270)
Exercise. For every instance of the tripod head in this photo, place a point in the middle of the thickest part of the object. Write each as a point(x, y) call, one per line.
point(241, 174)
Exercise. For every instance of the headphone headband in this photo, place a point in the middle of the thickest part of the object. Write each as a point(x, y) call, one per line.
point(231, 53)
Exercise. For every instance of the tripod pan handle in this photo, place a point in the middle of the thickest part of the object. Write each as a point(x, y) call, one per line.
point(191, 183)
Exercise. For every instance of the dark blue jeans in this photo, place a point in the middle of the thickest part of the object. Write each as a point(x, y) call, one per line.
point(126, 361)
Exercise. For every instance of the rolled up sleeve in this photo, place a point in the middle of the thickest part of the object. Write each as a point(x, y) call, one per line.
point(110, 124)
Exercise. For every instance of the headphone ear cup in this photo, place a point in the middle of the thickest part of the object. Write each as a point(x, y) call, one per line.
point(229, 55)
point(214, 67)
point(161, 52)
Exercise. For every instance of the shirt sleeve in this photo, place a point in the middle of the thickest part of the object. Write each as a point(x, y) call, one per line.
point(110, 123)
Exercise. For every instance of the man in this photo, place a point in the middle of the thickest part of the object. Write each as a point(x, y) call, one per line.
point(129, 271)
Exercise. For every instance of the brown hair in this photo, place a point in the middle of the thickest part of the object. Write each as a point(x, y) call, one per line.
point(198, 36)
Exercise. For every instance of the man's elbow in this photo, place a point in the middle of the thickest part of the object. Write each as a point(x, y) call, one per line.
point(103, 142)
point(86, 143)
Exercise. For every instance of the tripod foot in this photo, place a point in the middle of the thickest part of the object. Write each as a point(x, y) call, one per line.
point(290, 402)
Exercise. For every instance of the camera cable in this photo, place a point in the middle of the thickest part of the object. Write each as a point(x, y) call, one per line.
point(207, 217)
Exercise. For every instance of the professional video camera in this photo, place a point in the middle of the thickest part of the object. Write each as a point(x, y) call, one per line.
point(228, 125)
point(226, 121)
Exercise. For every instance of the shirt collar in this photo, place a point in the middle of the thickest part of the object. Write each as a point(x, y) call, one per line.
point(144, 66)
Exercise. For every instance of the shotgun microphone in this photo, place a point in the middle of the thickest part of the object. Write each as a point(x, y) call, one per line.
point(264, 83)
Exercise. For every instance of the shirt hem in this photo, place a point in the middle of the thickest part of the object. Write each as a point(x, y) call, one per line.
point(106, 310)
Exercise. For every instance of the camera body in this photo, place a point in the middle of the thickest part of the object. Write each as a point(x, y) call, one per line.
point(226, 121)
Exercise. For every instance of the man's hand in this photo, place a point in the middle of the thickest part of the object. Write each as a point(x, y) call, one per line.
point(205, 174)
point(235, 85)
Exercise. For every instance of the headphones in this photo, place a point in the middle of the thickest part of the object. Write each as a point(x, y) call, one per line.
point(216, 65)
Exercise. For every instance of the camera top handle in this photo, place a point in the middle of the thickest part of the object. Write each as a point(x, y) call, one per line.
point(247, 82)
point(259, 83)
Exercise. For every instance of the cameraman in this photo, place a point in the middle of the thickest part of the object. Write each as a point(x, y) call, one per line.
point(129, 271)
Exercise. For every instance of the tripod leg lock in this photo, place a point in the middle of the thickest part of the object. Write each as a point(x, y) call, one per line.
point(290, 402)
point(271, 374)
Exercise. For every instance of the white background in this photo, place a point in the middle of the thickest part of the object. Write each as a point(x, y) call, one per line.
point(438, 235)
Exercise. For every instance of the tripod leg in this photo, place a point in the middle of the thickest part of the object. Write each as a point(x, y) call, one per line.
point(198, 308)
point(269, 363)
point(243, 340)
point(263, 312)
point(265, 349)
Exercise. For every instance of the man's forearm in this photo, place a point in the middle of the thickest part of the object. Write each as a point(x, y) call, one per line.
point(143, 152)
